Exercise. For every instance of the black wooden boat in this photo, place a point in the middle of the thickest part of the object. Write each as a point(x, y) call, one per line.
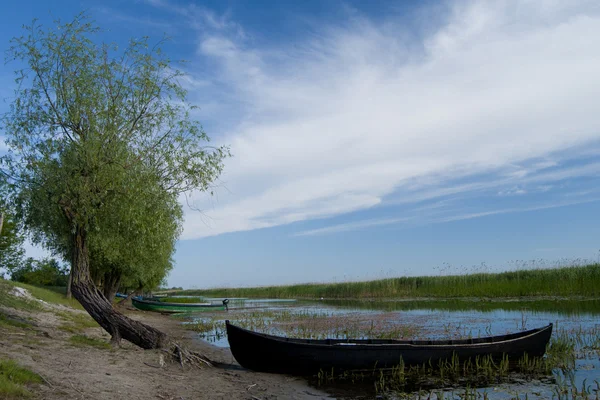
point(267, 353)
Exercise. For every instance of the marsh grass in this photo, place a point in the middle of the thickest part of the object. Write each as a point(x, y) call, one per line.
point(311, 324)
point(479, 372)
point(567, 390)
point(83, 341)
point(13, 380)
point(565, 281)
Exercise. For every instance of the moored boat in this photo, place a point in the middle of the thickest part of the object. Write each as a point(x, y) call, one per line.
point(268, 353)
point(164, 307)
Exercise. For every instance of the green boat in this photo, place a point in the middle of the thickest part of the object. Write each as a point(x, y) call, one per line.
point(163, 307)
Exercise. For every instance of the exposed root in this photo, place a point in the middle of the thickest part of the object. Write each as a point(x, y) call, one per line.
point(183, 356)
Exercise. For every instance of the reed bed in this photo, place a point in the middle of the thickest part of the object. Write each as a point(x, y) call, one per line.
point(581, 281)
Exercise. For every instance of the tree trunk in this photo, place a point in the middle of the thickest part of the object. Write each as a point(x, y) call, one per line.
point(1, 222)
point(96, 304)
point(69, 282)
point(110, 287)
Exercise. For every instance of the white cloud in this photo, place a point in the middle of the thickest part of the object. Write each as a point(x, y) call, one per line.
point(515, 191)
point(516, 210)
point(352, 226)
point(430, 216)
point(340, 122)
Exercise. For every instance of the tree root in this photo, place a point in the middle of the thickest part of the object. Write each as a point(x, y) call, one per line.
point(180, 354)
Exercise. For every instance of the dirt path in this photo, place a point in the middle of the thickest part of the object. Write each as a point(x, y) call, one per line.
point(91, 371)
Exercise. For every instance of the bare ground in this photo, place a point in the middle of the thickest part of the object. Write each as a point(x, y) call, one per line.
point(72, 371)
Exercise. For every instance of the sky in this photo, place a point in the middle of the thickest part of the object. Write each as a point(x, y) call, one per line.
point(375, 139)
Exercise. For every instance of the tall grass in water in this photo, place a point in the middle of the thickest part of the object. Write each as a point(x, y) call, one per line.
point(565, 281)
point(479, 372)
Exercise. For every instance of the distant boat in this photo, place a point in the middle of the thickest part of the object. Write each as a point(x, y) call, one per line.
point(121, 295)
point(164, 307)
point(268, 353)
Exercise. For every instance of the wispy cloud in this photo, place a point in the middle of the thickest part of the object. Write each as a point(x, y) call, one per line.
point(121, 17)
point(354, 117)
point(433, 215)
point(515, 210)
point(353, 226)
point(200, 18)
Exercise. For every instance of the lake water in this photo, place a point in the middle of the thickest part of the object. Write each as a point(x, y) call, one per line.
point(435, 319)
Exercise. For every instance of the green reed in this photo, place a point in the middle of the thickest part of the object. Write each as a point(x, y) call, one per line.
point(565, 281)
point(477, 372)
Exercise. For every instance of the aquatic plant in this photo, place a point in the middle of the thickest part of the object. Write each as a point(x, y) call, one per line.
point(572, 280)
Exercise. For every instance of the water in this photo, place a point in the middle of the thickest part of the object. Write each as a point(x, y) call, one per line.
point(435, 319)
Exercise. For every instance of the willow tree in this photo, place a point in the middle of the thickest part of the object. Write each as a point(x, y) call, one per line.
point(92, 125)
point(11, 242)
point(11, 234)
point(136, 240)
point(133, 240)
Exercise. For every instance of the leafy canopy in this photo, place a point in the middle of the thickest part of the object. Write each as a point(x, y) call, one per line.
point(11, 243)
point(103, 140)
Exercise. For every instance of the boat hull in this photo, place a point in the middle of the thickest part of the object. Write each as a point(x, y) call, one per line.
point(147, 305)
point(267, 353)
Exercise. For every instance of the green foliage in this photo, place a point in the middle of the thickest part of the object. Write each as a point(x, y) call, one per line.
point(12, 379)
point(103, 144)
point(566, 281)
point(46, 272)
point(11, 242)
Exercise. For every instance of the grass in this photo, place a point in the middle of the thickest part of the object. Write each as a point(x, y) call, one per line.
point(580, 281)
point(13, 322)
point(7, 300)
point(48, 295)
point(83, 341)
point(76, 323)
point(13, 380)
point(557, 367)
point(481, 371)
point(51, 295)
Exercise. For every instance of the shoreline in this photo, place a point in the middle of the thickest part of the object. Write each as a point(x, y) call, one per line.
point(45, 345)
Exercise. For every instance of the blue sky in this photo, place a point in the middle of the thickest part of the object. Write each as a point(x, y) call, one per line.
point(377, 139)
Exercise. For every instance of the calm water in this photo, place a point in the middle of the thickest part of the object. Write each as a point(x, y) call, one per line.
point(434, 319)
